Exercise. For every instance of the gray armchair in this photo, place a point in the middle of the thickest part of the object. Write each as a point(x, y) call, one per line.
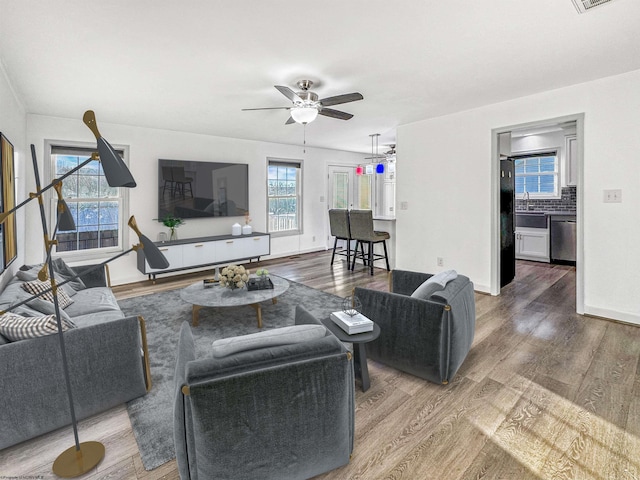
point(426, 335)
point(278, 404)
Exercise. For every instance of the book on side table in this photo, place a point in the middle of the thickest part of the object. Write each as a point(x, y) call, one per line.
point(356, 324)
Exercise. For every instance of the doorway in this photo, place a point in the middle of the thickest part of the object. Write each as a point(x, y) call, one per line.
point(341, 182)
point(348, 191)
point(569, 174)
point(340, 195)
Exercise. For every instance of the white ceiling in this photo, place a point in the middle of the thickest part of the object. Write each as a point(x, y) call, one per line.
point(193, 65)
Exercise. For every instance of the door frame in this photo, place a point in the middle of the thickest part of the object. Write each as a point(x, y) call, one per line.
point(352, 193)
point(495, 202)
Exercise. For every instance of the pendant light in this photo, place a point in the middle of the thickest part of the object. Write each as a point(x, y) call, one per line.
point(377, 166)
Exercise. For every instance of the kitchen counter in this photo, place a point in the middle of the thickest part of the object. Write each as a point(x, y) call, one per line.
point(546, 235)
point(386, 224)
point(548, 213)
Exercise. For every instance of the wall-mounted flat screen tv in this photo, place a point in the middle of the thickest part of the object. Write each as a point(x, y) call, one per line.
point(188, 189)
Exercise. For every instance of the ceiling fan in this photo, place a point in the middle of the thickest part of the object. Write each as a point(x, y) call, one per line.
point(306, 105)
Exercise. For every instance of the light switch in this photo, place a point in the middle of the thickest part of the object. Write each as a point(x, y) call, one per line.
point(612, 196)
point(404, 205)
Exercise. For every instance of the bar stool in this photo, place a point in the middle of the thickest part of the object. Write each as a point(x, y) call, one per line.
point(361, 223)
point(339, 225)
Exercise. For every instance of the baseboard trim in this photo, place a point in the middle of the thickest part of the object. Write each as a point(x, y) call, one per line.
point(482, 288)
point(289, 254)
point(612, 315)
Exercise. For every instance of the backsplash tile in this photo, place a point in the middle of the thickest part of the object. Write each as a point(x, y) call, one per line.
point(567, 202)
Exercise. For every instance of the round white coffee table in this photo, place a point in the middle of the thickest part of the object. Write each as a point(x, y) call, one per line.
point(218, 296)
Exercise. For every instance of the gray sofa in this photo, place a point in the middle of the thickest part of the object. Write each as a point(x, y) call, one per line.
point(277, 404)
point(426, 332)
point(106, 352)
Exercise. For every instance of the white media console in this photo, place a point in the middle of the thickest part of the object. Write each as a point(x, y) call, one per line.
point(208, 251)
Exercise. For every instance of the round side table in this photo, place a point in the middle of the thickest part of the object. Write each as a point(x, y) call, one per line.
point(359, 351)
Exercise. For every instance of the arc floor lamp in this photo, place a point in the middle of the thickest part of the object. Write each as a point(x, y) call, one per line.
point(81, 457)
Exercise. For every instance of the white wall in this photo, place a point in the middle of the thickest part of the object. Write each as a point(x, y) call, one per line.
point(444, 173)
point(13, 125)
point(147, 145)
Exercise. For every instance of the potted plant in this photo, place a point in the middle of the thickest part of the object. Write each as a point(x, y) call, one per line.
point(172, 223)
point(263, 277)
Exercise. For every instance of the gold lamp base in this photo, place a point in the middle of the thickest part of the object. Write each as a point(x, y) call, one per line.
point(72, 463)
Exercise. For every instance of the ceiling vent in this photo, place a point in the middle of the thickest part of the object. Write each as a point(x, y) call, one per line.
point(585, 5)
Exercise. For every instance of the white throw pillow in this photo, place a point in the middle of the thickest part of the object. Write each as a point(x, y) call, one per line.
point(426, 289)
point(434, 284)
point(444, 277)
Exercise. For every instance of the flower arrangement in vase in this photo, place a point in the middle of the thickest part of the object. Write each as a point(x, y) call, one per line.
point(234, 276)
point(172, 223)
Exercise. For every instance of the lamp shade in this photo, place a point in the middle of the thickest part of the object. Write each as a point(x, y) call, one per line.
point(115, 170)
point(151, 252)
point(304, 114)
point(66, 223)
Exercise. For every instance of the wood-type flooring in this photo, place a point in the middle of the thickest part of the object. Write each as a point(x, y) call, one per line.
point(543, 394)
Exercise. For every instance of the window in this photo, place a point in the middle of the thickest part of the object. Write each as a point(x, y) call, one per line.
point(537, 174)
point(99, 211)
point(284, 192)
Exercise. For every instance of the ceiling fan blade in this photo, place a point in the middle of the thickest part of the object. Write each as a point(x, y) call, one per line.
point(338, 99)
point(330, 112)
point(267, 108)
point(290, 121)
point(287, 92)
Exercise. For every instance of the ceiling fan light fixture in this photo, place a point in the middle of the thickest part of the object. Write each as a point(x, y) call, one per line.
point(304, 114)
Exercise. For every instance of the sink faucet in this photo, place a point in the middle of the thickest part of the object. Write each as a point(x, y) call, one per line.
point(525, 197)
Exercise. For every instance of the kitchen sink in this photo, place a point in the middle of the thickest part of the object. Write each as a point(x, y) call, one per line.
point(531, 219)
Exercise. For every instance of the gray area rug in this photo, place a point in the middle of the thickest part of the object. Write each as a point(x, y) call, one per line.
point(152, 415)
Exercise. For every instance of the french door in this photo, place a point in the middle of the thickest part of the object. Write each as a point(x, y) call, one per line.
point(340, 194)
point(347, 191)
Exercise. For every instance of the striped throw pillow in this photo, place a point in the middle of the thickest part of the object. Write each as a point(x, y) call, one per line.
point(16, 327)
point(36, 287)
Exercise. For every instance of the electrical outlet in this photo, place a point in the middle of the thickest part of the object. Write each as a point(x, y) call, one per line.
point(313, 239)
point(440, 262)
point(404, 205)
point(612, 196)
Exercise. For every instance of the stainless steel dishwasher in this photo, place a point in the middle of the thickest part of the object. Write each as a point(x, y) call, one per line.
point(563, 238)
